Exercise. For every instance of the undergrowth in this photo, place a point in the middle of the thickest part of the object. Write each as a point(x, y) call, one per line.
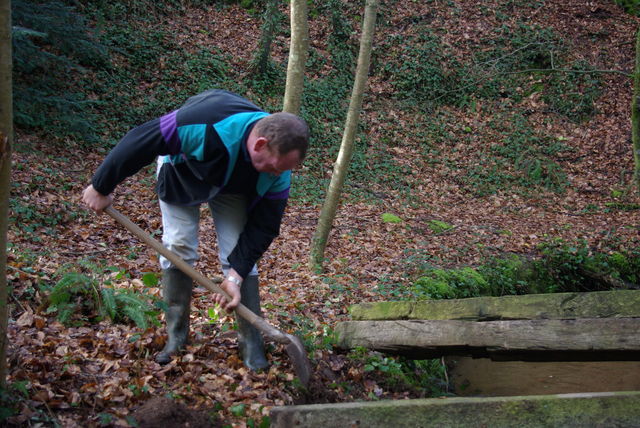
point(91, 296)
point(559, 267)
point(131, 69)
point(422, 378)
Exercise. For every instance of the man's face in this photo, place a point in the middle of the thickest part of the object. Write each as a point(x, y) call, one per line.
point(266, 159)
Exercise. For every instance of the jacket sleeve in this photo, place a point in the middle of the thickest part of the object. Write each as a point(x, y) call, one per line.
point(263, 226)
point(137, 149)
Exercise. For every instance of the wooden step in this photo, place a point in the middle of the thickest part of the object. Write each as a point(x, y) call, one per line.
point(535, 340)
point(598, 304)
point(484, 377)
point(591, 410)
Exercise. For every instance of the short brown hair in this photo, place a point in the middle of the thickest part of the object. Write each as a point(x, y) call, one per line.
point(286, 132)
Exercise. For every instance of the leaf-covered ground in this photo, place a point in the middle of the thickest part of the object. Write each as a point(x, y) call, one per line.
point(102, 374)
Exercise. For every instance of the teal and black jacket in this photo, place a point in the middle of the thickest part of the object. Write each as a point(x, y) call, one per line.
point(202, 150)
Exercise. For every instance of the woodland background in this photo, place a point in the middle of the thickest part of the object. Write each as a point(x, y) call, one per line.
point(493, 157)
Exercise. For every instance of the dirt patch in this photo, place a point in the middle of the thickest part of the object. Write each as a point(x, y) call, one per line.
point(323, 386)
point(164, 412)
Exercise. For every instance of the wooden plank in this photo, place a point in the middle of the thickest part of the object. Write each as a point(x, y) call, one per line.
point(599, 304)
point(428, 339)
point(484, 377)
point(620, 409)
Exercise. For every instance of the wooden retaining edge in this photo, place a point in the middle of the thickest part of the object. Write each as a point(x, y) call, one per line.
point(597, 304)
point(593, 337)
point(619, 409)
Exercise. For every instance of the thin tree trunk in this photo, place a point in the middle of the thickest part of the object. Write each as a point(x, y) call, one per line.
point(298, 52)
point(635, 120)
point(271, 18)
point(6, 138)
point(341, 166)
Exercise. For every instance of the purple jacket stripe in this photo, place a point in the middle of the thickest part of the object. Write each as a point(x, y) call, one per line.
point(280, 195)
point(169, 130)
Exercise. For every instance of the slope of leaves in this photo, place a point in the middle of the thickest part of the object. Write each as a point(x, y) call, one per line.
point(418, 166)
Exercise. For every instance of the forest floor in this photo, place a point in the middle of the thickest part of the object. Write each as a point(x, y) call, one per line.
point(103, 374)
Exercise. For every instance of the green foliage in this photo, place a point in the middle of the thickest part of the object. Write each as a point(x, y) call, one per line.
point(272, 19)
point(124, 91)
point(89, 296)
point(524, 159)
point(422, 71)
point(573, 93)
point(426, 377)
point(139, 10)
point(560, 267)
point(426, 74)
point(577, 267)
point(324, 105)
point(450, 284)
point(313, 338)
point(376, 166)
point(630, 6)
point(508, 275)
point(32, 219)
point(534, 58)
point(391, 218)
point(438, 226)
point(52, 47)
point(15, 399)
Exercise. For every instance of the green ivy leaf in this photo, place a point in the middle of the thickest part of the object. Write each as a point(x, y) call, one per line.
point(391, 218)
point(238, 410)
point(150, 279)
point(438, 226)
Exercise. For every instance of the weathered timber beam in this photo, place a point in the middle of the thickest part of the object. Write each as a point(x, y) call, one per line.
point(621, 409)
point(597, 304)
point(430, 338)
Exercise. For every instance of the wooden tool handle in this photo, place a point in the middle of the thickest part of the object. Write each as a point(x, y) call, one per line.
point(241, 310)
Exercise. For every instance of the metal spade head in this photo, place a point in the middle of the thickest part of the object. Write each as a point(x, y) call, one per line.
point(299, 359)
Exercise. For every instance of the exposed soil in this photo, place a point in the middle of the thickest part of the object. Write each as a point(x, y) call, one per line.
point(164, 412)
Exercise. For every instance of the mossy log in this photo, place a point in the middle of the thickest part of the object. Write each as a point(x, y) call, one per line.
point(599, 304)
point(553, 340)
point(620, 409)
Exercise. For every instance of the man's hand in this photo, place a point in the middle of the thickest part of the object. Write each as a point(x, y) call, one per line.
point(96, 200)
point(233, 290)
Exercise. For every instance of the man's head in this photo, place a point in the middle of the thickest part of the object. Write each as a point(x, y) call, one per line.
point(278, 143)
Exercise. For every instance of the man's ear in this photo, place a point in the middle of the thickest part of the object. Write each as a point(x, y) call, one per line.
point(261, 142)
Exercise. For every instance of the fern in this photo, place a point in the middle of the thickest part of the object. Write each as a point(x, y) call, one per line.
point(136, 316)
point(65, 313)
point(70, 285)
point(51, 42)
point(129, 299)
point(80, 293)
point(109, 303)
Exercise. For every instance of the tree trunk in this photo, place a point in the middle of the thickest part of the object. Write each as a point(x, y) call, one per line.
point(6, 138)
point(271, 18)
point(340, 168)
point(635, 120)
point(298, 51)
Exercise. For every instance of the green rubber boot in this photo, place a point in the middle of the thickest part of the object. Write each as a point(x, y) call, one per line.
point(249, 338)
point(176, 292)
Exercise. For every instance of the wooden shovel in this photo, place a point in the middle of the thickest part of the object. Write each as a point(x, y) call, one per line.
point(294, 346)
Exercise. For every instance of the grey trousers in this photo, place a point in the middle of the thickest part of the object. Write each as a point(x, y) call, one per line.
point(181, 225)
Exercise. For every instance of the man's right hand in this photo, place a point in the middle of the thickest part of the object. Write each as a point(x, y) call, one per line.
point(96, 200)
